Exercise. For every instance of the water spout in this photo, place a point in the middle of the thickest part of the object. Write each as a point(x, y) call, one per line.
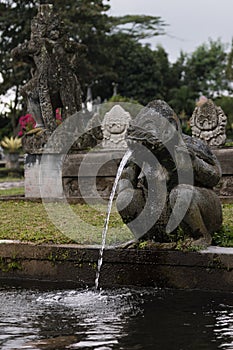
point(105, 228)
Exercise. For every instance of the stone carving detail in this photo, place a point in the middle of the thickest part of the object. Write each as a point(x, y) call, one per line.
point(103, 187)
point(53, 84)
point(114, 128)
point(225, 186)
point(208, 123)
point(157, 180)
point(34, 142)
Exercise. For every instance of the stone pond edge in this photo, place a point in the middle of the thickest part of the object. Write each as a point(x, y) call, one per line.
point(75, 266)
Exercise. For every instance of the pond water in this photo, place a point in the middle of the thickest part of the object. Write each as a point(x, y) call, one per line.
point(123, 319)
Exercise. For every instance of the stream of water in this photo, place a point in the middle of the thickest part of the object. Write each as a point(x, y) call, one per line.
point(109, 208)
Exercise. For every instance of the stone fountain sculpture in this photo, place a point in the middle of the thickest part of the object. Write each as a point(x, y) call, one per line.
point(160, 153)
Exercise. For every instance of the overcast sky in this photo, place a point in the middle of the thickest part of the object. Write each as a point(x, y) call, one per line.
point(191, 22)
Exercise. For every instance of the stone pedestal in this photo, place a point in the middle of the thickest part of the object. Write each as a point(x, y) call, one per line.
point(43, 176)
point(80, 176)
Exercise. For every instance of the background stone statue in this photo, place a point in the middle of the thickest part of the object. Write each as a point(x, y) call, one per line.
point(155, 179)
point(114, 128)
point(208, 122)
point(53, 83)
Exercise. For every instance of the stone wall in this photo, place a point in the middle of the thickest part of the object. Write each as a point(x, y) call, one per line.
point(75, 266)
point(94, 179)
point(225, 186)
point(89, 176)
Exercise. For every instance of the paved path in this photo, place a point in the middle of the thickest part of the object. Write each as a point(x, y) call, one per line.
point(13, 184)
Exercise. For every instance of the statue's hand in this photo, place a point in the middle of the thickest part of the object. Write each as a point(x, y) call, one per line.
point(129, 177)
point(124, 184)
point(130, 199)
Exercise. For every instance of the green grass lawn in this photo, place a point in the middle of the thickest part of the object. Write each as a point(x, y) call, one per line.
point(29, 221)
point(59, 223)
point(12, 192)
point(11, 179)
point(224, 237)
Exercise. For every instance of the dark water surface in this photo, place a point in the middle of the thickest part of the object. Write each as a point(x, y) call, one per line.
point(127, 319)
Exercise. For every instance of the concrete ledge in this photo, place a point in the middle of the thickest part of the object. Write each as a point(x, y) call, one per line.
point(209, 269)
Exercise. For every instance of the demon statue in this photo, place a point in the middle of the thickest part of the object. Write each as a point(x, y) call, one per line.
point(53, 83)
point(168, 181)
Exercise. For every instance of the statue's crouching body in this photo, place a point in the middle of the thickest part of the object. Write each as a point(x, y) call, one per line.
point(168, 181)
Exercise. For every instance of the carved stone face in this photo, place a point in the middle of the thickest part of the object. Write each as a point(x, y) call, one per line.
point(206, 117)
point(115, 127)
point(208, 122)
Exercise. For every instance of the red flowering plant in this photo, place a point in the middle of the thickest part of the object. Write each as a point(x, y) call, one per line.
point(27, 122)
point(58, 116)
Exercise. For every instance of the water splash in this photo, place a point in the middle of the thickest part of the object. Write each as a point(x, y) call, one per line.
point(106, 223)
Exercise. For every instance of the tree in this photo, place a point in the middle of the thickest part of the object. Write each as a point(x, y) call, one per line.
point(141, 73)
point(180, 94)
point(14, 28)
point(81, 17)
point(138, 27)
point(229, 67)
point(226, 103)
point(183, 99)
point(205, 69)
point(87, 23)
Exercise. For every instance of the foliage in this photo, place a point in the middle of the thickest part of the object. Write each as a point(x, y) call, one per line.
point(58, 116)
point(226, 103)
point(6, 173)
point(138, 27)
point(205, 69)
point(5, 126)
point(88, 24)
point(28, 221)
point(15, 19)
point(229, 67)
point(26, 123)
point(224, 237)
point(203, 72)
point(183, 99)
point(16, 191)
point(119, 98)
point(142, 74)
point(12, 144)
point(113, 53)
point(10, 178)
point(185, 123)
